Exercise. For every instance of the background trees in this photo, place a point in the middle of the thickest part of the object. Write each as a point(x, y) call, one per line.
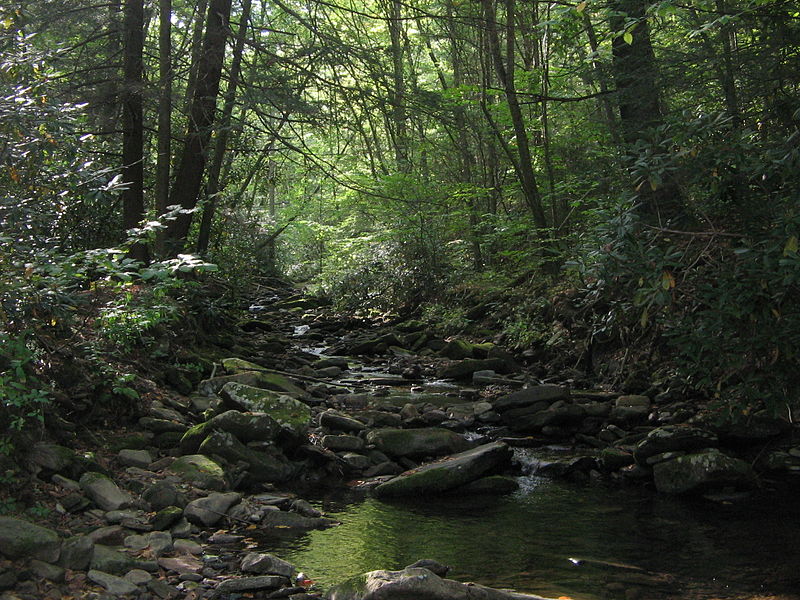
point(390, 151)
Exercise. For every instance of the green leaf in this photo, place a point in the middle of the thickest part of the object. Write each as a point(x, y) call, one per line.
point(791, 246)
point(628, 37)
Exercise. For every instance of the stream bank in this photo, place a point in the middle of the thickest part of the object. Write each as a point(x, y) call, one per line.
point(314, 404)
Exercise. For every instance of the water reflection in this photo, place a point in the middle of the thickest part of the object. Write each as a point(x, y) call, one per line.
point(628, 544)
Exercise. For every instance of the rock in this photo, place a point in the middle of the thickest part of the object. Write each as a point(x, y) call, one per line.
point(614, 459)
point(162, 494)
point(138, 576)
point(135, 458)
point(336, 421)
point(112, 535)
point(290, 520)
point(211, 387)
point(209, 510)
point(710, 469)
point(76, 553)
point(356, 462)
point(159, 426)
point(290, 414)
point(417, 443)
point(531, 395)
point(458, 350)
point(248, 584)
point(342, 443)
point(160, 542)
point(200, 471)
point(558, 414)
point(671, 438)
point(433, 566)
point(753, 429)
point(630, 409)
point(187, 547)
point(19, 538)
point(266, 564)
point(448, 473)
point(266, 379)
point(571, 468)
point(47, 571)
point(416, 584)
point(464, 369)
point(114, 585)
point(262, 467)
point(166, 518)
point(246, 427)
point(53, 458)
point(161, 589)
point(494, 484)
point(104, 492)
point(109, 560)
point(181, 564)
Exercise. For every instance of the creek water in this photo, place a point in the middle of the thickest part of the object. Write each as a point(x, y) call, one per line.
point(563, 540)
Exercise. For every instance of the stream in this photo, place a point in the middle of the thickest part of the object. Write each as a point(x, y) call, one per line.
point(556, 539)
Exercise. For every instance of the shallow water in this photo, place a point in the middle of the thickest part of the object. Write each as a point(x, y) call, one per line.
point(626, 542)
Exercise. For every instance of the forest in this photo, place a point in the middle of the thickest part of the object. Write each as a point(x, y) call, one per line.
point(595, 195)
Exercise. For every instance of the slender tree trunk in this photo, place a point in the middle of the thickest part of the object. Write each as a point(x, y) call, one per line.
point(196, 51)
point(164, 151)
point(189, 177)
point(133, 122)
point(523, 163)
point(398, 95)
point(213, 187)
point(601, 77)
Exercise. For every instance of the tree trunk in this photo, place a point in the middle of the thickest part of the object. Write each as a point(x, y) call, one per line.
point(213, 187)
point(398, 94)
point(186, 188)
point(133, 123)
point(164, 151)
point(196, 51)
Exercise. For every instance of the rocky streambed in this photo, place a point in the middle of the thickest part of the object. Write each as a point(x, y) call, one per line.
point(208, 496)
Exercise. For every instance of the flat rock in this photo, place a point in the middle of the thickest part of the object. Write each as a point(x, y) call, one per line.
point(416, 583)
point(104, 492)
point(448, 473)
point(266, 564)
point(417, 442)
point(531, 395)
point(114, 585)
point(209, 510)
point(337, 421)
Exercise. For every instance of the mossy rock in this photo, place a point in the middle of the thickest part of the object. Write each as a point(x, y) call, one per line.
point(135, 440)
point(289, 413)
point(200, 471)
point(265, 378)
point(458, 350)
point(262, 467)
point(166, 518)
point(21, 539)
point(417, 443)
point(246, 426)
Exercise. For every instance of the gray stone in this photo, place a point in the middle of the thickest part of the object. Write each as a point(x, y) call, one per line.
point(187, 547)
point(162, 494)
point(76, 553)
point(109, 560)
point(66, 483)
point(200, 471)
point(248, 584)
point(52, 457)
point(336, 421)
point(671, 438)
point(104, 492)
point(417, 443)
point(138, 576)
point(19, 538)
point(289, 520)
point(181, 564)
point(160, 542)
point(114, 585)
point(291, 414)
point(342, 443)
point(166, 518)
point(701, 472)
point(416, 583)
point(262, 467)
point(209, 510)
point(531, 395)
point(135, 458)
point(266, 564)
point(449, 473)
point(464, 369)
point(47, 571)
point(357, 462)
point(111, 535)
point(245, 426)
point(557, 415)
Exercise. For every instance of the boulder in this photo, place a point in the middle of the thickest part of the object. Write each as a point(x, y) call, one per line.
point(531, 395)
point(108, 560)
point(104, 492)
point(245, 426)
point(76, 553)
point(262, 467)
point(337, 421)
point(53, 457)
point(266, 564)
point(288, 412)
point(135, 458)
point(558, 414)
point(290, 520)
point(417, 443)
point(416, 583)
point(266, 379)
point(212, 386)
point(463, 369)
point(459, 350)
point(200, 471)
point(702, 471)
point(209, 510)
point(448, 473)
point(162, 494)
point(342, 443)
point(116, 586)
point(673, 438)
point(20, 538)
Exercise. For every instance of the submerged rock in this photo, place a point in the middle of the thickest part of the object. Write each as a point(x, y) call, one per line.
point(449, 473)
point(418, 584)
